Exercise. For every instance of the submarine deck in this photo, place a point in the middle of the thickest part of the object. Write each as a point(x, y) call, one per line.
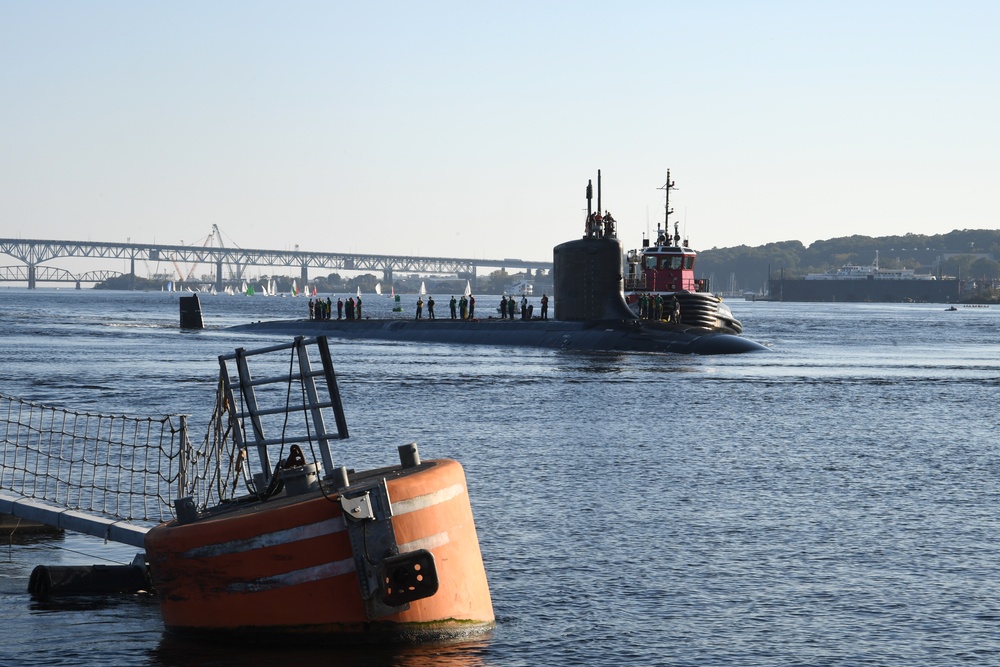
point(597, 335)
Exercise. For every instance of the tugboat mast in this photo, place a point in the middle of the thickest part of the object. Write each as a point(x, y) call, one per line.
point(667, 187)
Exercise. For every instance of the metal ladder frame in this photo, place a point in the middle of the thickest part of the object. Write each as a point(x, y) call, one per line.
point(241, 396)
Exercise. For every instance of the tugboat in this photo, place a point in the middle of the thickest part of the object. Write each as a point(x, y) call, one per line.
point(661, 286)
point(313, 549)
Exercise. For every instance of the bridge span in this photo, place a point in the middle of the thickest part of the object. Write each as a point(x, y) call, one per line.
point(34, 253)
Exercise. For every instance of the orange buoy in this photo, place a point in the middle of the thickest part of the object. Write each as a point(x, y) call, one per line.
point(389, 553)
point(288, 566)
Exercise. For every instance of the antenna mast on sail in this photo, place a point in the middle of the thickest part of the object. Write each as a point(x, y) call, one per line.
point(590, 197)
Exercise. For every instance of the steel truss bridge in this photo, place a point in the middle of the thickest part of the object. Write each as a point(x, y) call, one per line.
point(32, 253)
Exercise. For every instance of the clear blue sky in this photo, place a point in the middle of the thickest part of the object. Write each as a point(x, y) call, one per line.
point(471, 128)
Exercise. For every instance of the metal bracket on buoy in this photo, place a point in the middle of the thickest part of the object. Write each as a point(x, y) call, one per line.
point(368, 516)
point(359, 508)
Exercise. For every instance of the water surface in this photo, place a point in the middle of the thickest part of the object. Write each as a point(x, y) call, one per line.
point(831, 502)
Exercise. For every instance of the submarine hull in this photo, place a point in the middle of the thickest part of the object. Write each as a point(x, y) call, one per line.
point(595, 335)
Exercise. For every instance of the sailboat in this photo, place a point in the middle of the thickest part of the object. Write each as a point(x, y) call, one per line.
point(295, 289)
point(378, 288)
point(359, 291)
point(468, 288)
point(423, 289)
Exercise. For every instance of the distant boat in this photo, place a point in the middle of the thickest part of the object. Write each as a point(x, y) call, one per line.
point(378, 288)
point(295, 289)
point(423, 289)
point(868, 272)
point(524, 288)
point(359, 291)
point(468, 289)
point(392, 291)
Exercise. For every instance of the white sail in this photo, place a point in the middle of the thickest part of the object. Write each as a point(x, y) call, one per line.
point(378, 288)
point(423, 289)
point(359, 291)
point(468, 288)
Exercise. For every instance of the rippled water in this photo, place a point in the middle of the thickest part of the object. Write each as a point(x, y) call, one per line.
point(831, 502)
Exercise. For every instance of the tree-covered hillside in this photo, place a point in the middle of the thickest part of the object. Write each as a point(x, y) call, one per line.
point(966, 253)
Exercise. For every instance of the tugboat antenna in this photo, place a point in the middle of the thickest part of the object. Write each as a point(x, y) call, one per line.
point(667, 187)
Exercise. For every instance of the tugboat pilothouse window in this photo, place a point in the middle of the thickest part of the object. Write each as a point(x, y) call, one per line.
point(650, 262)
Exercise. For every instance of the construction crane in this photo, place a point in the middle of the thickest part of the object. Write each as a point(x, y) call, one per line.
point(215, 234)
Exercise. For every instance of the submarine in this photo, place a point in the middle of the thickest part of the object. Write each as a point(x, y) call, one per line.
point(591, 312)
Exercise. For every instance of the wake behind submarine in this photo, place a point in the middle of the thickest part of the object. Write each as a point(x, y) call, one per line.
point(590, 308)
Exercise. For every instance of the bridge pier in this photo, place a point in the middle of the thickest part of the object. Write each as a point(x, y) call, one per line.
point(31, 276)
point(387, 275)
point(218, 276)
point(133, 283)
point(304, 276)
